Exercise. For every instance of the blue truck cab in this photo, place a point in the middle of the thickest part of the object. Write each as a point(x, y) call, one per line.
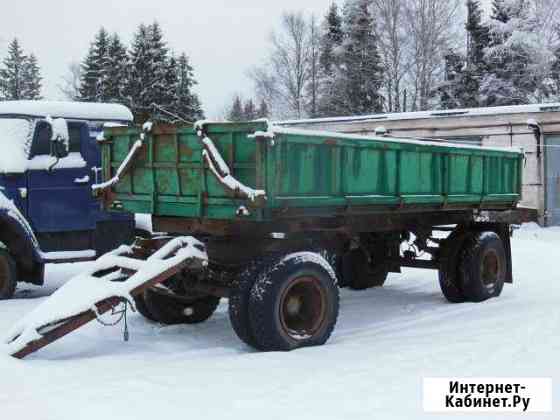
point(49, 160)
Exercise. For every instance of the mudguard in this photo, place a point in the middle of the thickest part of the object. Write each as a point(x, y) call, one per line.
point(18, 237)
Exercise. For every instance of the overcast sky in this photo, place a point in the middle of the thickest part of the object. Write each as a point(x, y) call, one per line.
point(223, 38)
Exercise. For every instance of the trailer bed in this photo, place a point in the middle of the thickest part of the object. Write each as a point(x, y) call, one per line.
point(280, 173)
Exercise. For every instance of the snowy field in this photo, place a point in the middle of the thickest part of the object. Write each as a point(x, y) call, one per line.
point(386, 341)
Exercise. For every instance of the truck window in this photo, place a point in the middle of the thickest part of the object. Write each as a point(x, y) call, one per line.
point(41, 145)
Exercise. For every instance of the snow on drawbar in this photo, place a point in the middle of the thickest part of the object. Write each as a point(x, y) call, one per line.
point(114, 278)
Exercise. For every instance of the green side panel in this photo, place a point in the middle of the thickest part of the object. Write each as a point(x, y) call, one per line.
point(168, 176)
point(319, 171)
point(466, 176)
point(421, 173)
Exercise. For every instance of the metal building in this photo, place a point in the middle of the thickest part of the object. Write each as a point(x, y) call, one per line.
point(534, 128)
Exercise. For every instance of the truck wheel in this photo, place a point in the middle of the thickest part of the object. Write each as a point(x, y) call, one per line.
point(170, 310)
point(294, 303)
point(483, 266)
point(358, 272)
point(238, 306)
point(8, 275)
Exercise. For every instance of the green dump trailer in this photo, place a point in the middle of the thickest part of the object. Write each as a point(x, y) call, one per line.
point(289, 216)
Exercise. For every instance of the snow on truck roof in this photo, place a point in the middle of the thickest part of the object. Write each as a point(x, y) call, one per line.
point(69, 110)
point(498, 110)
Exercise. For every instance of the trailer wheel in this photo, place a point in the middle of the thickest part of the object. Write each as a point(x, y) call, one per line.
point(449, 273)
point(294, 303)
point(483, 266)
point(8, 275)
point(171, 310)
point(238, 306)
point(450, 285)
point(142, 308)
point(359, 273)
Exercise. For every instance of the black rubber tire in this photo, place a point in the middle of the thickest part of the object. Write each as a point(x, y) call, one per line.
point(8, 275)
point(142, 308)
point(170, 311)
point(483, 266)
point(449, 282)
point(359, 274)
point(268, 319)
point(449, 274)
point(238, 305)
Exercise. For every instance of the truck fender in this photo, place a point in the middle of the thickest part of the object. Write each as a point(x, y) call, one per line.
point(18, 237)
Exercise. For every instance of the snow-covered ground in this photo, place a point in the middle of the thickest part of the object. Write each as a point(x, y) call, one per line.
point(386, 341)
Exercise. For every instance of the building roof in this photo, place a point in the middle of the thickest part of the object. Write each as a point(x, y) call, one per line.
point(70, 110)
point(498, 110)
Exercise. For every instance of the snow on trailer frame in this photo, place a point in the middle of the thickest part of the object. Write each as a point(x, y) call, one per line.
point(283, 288)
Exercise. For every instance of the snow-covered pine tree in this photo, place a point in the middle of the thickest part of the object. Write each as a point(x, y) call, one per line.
point(13, 73)
point(555, 70)
point(163, 79)
point(331, 39)
point(94, 75)
point(31, 79)
point(115, 70)
point(477, 41)
point(263, 111)
point(360, 76)
point(168, 98)
point(148, 71)
point(451, 91)
point(236, 111)
point(249, 111)
point(500, 10)
point(88, 76)
point(510, 57)
point(477, 35)
point(138, 71)
point(187, 104)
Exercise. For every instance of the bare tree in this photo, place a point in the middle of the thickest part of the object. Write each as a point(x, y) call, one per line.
point(70, 86)
point(393, 45)
point(431, 26)
point(283, 78)
point(314, 66)
point(547, 16)
point(543, 40)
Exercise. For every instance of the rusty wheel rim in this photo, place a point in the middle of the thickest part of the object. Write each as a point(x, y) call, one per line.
point(303, 308)
point(490, 269)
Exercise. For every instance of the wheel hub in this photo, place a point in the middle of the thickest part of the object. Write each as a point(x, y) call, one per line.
point(303, 308)
point(293, 306)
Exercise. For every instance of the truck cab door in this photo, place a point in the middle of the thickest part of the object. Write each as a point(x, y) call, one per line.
point(59, 193)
